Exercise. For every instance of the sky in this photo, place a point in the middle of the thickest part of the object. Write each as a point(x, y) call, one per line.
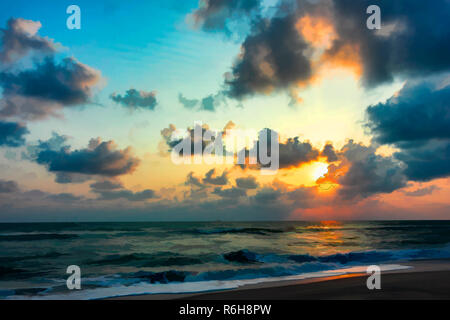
point(89, 116)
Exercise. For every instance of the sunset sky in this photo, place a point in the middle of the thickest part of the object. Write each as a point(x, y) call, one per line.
point(86, 115)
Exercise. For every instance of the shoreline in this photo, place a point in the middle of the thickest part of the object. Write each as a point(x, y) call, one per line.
point(426, 279)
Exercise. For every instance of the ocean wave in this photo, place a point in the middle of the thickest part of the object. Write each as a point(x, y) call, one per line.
point(38, 236)
point(161, 259)
point(257, 231)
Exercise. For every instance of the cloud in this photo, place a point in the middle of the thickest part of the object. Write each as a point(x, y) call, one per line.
point(128, 195)
point(295, 46)
point(20, 37)
point(362, 173)
point(418, 112)
point(189, 140)
point(212, 178)
point(39, 92)
point(291, 153)
point(329, 153)
point(213, 15)
point(416, 121)
point(106, 185)
point(64, 197)
point(415, 47)
point(273, 57)
point(8, 186)
point(101, 158)
point(135, 99)
point(426, 161)
point(247, 182)
point(187, 103)
point(191, 180)
point(11, 134)
point(232, 192)
point(421, 191)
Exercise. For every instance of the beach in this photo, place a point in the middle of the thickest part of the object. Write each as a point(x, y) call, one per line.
point(427, 279)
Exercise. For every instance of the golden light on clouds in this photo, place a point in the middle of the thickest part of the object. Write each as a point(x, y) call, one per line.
point(318, 31)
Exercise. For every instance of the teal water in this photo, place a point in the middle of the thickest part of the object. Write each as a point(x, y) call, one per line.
point(34, 256)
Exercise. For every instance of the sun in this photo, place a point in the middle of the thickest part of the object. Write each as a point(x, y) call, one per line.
point(319, 170)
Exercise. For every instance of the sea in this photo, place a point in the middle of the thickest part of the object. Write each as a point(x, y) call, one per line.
point(133, 258)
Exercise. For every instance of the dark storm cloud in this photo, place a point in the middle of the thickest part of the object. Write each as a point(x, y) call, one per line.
point(135, 99)
point(11, 134)
point(417, 112)
point(412, 42)
point(99, 158)
point(232, 192)
point(128, 195)
point(247, 182)
point(36, 93)
point(8, 186)
point(191, 180)
point(213, 15)
point(212, 178)
point(417, 121)
point(64, 197)
point(291, 153)
point(20, 37)
point(362, 173)
point(294, 153)
point(329, 153)
point(187, 103)
point(273, 57)
point(106, 185)
point(426, 161)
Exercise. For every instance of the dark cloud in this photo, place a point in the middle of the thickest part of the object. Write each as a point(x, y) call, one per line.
point(128, 195)
point(213, 15)
point(212, 178)
point(417, 112)
point(8, 186)
point(329, 153)
point(37, 93)
point(426, 161)
point(187, 103)
point(11, 134)
point(99, 158)
point(135, 99)
point(20, 37)
point(267, 195)
point(232, 192)
point(416, 121)
point(64, 197)
point(294, 153)
point(189, 141)
point(421, 191)
point(273, 57)
point(291, 153)
point(106, 185)
point(412, 40)
point(191, 180)
point(247, 182)
point(279, 53)
point(362, 173)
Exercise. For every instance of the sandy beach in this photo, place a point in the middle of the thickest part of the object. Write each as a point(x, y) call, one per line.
point(427, 279)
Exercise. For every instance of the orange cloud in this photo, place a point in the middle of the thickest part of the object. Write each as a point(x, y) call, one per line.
point(318, 31)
